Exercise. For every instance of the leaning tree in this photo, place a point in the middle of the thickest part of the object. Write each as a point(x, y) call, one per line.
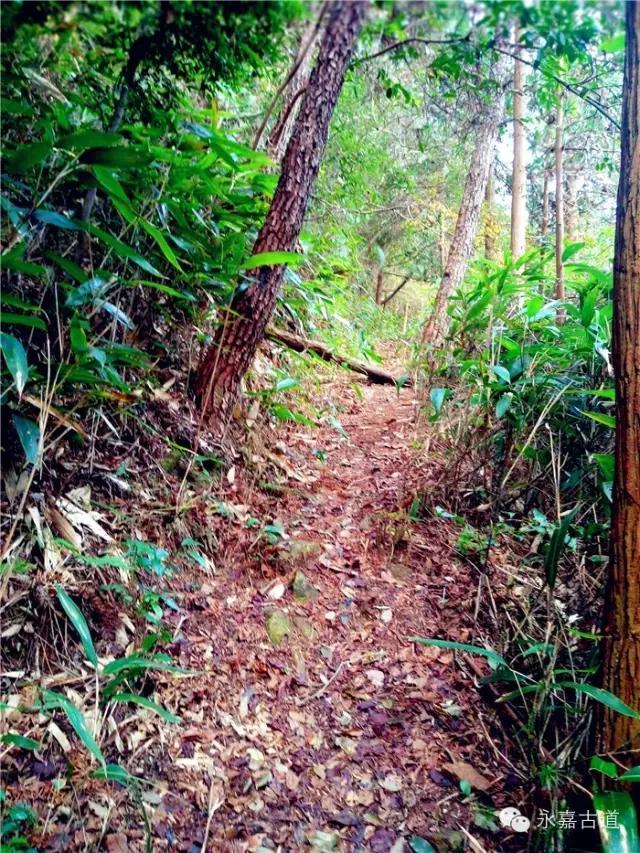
point(243, 323)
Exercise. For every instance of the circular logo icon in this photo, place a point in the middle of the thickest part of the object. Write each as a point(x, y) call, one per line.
point(511, 818)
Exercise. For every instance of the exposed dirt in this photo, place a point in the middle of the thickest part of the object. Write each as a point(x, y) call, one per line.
point(344, 735)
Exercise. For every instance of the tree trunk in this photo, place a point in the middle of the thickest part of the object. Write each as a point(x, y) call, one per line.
point(295, 89)
point(621, 665)
point(242, 325)
point(559, 205)
point(571, 206)
point(490, 224)
point(519, 176)
point(395, 291)
point(469, 214)
point(379, 286)
point(374, 374)
point(544, 218)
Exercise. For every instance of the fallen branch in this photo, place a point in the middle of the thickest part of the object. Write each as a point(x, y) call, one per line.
point(294, 342)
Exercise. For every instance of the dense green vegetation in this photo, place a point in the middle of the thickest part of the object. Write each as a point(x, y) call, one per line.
point(135, 185)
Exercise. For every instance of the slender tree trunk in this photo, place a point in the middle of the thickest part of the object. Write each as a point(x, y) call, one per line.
point(519, 176)
point(571, 206)
point(621, 666)
point(295, 89)
point(544, 218)
point(379, 286)
point(469, 214)
point(559, 205)
point(490, 224)
point(395, 291)
point(242, 325)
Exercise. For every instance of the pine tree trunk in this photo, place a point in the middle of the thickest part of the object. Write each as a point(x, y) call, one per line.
point(559, 205)
point(519, 176)
point(242, 325)
point(621, 666)
point(469, 214)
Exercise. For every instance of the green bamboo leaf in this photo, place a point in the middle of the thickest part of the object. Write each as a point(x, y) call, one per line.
point(53, 700)
point(122, 250)
point(556, 547)
point(13, 739)
point(82, 139)
point(29, 435)
point(165, 248)
point(602, 696)
point(22, 320)
point(607, 768)
point(110, 183)
point(272, 259)
point(605, 420)
point(119, 157)
point(617, 822)
point(146, 703)
point(135, 663)
point(58, 220)
point(631, 775)
point(79, 623)
point(493, 657)
point(16, 360)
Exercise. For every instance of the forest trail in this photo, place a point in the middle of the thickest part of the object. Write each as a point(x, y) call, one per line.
point(343, 735)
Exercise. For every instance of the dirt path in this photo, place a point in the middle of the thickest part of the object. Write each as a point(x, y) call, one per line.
point(344, 735)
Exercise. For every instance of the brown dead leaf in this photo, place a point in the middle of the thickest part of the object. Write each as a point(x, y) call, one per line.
point(466, 773)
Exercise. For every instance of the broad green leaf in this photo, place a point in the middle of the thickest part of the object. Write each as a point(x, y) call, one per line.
point(82, 139)
point(631, 775)
point(122, 250)
point(420, 845)
point(607, 768)
point(504, 404)
point(13, 739)
point(605, 420)
point(556, 547)
point(271, 259)
point(606, 464)
point(22, 320)
point(165, 248)
point(570, 250)
point(21, 159)
point(29, 435)
point(120, 157)
point(493, 657)
point(602, 696)
point(14, 108)
point(285, 384)
point(613, 44)
point(87, 292)
point(16, 360)
point(617, 822)
point(53, 700)
point(437, 396)
point(79, 623)
point(14, 302)
point(14, 260)
point(58, 220)
point(138, 663)
point(110, 183)
point(146, 703)
point(68, 266)
point(501, 372)
point(115, 773)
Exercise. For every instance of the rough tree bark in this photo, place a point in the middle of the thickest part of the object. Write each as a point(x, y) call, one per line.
point(242, 325)
point(379, 286)
point(559, 176)
point(469, 214)
point(621, 666)
point(518, 176)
